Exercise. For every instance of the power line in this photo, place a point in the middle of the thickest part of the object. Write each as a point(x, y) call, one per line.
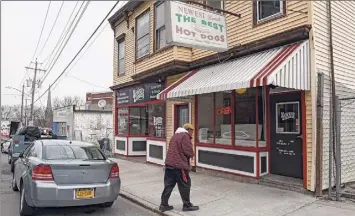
point(40, 36)
point(61, 36)
point(81, 58)
point(39, 40)
point(61, 74)
point(55, 21)
point(49, 69)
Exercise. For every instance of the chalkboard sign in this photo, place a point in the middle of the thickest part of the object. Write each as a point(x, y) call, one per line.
point(123, 97)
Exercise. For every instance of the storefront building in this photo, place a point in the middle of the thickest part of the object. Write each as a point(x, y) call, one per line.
point(140, 120)
point(254, 105)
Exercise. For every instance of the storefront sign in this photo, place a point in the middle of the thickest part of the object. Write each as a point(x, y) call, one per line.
point(191, 26)
point(152, 90)
point(138, 94)
point(123, 97)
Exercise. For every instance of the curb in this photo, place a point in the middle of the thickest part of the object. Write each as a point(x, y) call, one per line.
point(146, 204)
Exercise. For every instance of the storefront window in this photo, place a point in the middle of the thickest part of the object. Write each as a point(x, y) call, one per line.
point(223, 118)
point(122, 118)
point(138, 121)
point(205, 118)
point(246, 132)
point(156, 113)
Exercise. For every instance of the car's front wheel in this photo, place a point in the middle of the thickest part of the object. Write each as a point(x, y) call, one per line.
point(25, 209)
point(13, 183)
point(2, 149)
point(107, 205)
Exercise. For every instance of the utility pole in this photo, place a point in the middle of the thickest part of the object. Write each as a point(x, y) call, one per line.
point(23, 93)
point(34, 86)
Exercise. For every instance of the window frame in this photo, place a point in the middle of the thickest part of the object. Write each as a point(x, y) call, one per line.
point(155, 48)
point(233, 143)
point(256, 15)
point(223, 5)
point(136, 36)
point(121, 39)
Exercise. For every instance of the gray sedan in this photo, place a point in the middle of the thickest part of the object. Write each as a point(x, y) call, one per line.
point(61, 173)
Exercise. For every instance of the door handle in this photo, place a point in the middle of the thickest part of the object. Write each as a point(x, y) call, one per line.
point(300, 136)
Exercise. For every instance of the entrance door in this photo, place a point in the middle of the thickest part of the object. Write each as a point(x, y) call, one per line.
point(286, 156)
point(182, 115)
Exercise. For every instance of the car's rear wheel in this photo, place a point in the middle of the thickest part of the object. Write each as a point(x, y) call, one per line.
point(9, 159)
point(2, 149)
point(13, 183)
point(107, 205)
point(25, 209)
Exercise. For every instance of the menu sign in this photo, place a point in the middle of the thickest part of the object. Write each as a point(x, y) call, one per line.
point(123, 97)
point(152, 90)
point(138, 94)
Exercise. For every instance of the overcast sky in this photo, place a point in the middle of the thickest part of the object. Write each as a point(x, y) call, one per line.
point(21, 24)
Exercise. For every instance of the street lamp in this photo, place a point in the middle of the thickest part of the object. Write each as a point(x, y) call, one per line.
point(23, 93)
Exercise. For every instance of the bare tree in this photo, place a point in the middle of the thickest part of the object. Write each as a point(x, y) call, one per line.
point(39, 118)
point(11, 112)
point(67, 101)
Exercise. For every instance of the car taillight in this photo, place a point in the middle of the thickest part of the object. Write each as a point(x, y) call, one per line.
point(115, 171)
point(42, 172)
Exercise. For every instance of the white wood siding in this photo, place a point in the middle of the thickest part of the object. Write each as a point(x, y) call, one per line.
point(344, 65)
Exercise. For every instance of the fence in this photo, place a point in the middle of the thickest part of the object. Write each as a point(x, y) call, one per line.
point(344, 154)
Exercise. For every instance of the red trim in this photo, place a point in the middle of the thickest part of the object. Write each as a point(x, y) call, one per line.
point(233, 117)
point(137, 136)
point(257, 133)
point(268, 131)
point(304, 137)
point(141, 104)
point(232, 173)
point(196, 128)
point(287, 54)
point(116, 121)
point(163, 94)
point(254, 79)
point(230, 147)
point(214, 117)
point(156, 139)
point(176, 123)
point(129, 125)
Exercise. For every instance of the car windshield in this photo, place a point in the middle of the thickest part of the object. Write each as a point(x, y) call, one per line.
point(63, 152)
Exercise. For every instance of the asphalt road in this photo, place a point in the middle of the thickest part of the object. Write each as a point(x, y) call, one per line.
point(9, 202)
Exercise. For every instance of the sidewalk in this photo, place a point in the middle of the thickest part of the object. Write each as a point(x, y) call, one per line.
point(143, 183)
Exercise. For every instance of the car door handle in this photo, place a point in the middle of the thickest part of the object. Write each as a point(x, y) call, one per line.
point(300, 136)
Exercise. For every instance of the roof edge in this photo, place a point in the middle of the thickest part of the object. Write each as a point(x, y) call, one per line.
point(129, 6)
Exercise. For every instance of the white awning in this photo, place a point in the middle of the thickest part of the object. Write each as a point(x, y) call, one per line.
point(286, 66)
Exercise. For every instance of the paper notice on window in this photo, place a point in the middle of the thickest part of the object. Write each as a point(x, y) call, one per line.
point(280, 129)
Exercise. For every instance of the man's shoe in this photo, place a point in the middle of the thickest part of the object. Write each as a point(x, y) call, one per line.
point(190, 208)
point(164, 208)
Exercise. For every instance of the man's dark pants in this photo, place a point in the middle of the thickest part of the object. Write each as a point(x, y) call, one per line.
point(171, 177)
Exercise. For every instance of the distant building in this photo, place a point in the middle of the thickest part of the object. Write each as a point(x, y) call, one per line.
point(93, 98)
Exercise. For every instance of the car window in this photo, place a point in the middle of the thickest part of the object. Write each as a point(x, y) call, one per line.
point(27, 150)
point(62, 152)
point(34, 152)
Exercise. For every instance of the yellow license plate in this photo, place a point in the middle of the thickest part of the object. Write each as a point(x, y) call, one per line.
point(84, 193)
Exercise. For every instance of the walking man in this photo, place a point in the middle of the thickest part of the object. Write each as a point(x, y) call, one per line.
point(177, 167)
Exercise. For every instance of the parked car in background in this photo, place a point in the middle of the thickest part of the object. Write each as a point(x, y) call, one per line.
point(62, 173)
point(5, 147)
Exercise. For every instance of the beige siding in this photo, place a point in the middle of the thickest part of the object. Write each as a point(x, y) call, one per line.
point(170, 112)
point(241, 30)
point(344, 67)
point(309, 138)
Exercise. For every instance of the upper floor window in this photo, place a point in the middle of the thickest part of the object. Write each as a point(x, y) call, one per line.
point(142, 35)
point(121, 55)
point(160, 33)
point(269, 9)
point(215, 4)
